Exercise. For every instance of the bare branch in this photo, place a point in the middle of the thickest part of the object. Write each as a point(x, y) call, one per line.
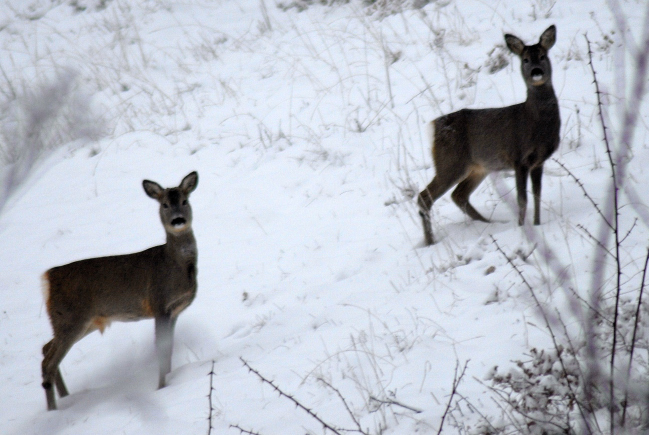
point(596, 240)
point(548, 327)
point(291, 398)
point(243, 431)
point(616, 233)
point(456, 381)
point(209, 396)
point(342, 399)
point(628, 233)
point(44, 117)
point(586, 194)
point(633, 338)
point(394, 402)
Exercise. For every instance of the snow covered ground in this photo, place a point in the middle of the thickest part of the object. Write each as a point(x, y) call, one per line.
point(308, 131)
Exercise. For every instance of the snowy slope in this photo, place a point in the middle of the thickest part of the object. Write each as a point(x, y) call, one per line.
point(308, 132)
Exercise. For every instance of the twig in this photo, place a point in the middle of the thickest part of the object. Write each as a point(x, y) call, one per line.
point(505, 397)
point(386, 63)
point(209, 396)
point(394, 402)
point(583, 188)
point(628, 233)
point(289, 397)
point(616, 233)
point(456, 382)
point(477, 411)
point(342, 399)
point(635, 330)
point(508, 413)
point(596, 240)
point(264, 13)
point(549, 328)
point(243, 431)
point(14, 94)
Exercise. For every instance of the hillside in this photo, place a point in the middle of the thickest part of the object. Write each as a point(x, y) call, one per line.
point(307, 126)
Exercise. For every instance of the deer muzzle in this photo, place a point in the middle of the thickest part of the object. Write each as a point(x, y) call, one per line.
point(537, 76)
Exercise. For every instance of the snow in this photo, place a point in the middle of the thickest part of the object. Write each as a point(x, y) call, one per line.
point(309, 138)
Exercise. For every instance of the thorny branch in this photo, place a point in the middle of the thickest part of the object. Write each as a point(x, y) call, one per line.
point(291, 398)
point(342, 399)
point(635, 330)
point(616, 233)
point(583, 188)
point(242, 430)
point(549, 328)
point(209, 396)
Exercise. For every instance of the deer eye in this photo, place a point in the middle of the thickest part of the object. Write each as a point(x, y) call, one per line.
point(526, 60)
point(542, 57)
point(184, 202)
point(165, 205)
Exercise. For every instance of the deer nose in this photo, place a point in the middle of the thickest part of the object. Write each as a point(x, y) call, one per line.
point(537, 74)
point(178, 222)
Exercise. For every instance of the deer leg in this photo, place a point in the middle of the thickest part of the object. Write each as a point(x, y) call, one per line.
point(425, 202)
point(428, 229)
point(60, 385)
point(56, 350)
point(164, 330)
point(427, 197)
point(463, 190)
point(49, 391)
point(535, 175)
point(521, 189)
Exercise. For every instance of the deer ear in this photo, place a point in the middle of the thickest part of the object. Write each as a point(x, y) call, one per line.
point(189, 183)
point(514, 44)
point(153, 189)
point(549, 37)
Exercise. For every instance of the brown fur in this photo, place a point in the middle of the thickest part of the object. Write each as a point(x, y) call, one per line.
point(159, 282)
point(469, 144)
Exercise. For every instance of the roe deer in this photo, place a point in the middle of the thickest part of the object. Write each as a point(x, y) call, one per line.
point(469, 144)
point(159, 283)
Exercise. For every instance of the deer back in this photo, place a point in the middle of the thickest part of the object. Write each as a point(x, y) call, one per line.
point(159, 280)
point(507, 137)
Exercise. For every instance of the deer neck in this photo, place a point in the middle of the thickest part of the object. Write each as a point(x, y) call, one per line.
point(182, 247)
point(541, 97)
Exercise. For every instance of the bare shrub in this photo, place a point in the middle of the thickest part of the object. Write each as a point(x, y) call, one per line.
point(593, 381)
point(39, 119)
